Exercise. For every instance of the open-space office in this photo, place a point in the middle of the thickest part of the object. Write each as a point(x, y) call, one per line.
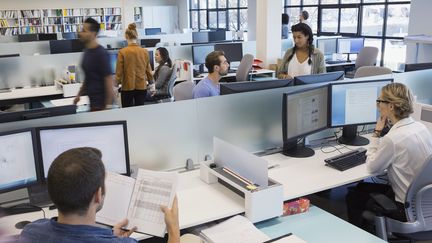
point(179, 135)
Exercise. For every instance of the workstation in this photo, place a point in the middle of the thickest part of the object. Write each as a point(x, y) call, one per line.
point(264, 121)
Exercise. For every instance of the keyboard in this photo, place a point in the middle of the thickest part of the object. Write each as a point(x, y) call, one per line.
point(347, 160)
point(335, 61)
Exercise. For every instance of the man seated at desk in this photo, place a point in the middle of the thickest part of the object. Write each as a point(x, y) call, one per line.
point(217, 66)
point(76, 185)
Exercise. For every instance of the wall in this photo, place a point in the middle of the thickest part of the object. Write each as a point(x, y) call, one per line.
point(419, 24)
point(183, 9)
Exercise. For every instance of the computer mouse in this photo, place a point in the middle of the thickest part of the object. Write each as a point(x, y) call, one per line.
point(22, 224)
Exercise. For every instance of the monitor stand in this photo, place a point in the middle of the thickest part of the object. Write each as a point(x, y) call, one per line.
point(350, 137)
point(201, 68)
point(296, 150)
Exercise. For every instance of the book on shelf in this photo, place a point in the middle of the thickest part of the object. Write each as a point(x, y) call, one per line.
point(139, 200)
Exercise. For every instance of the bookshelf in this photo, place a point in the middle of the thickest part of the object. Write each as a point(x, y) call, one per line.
point(14, 22)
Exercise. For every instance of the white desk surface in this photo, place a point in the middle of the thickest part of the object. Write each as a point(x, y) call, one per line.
point(30, 92)
point(304, 176)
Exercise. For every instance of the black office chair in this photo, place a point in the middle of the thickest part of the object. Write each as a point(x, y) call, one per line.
point(418, 204)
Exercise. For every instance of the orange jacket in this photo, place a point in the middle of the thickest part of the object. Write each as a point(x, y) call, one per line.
point(133, 69)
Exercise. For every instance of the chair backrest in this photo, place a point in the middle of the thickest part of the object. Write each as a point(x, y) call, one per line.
point(244, 68)
point(184, 90)
point(419, 197)
point(366, 57)
point(172, 80)
point(367, 71)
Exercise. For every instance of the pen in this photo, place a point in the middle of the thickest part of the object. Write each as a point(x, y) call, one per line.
point(249, 184)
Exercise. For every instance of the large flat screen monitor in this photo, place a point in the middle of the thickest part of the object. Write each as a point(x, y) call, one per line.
point(349, 45)
point(248, 86)
point(418, 66)
point(109, 137)
point(37, 113)
point(199, 54)
point(217, 35)
point(303, 112)
point(70, 35)
point(113, 61)
point(200, 37)
point(152, 31)
point(60, 46)
point(319, 78)
point(51, 36)
point(18, 161)
point(327, 47)
point(28, 37)
point(233, 51)
point(353, 104)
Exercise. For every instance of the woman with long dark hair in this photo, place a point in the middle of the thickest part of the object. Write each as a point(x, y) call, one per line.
point(303, 58)
point(161, 75)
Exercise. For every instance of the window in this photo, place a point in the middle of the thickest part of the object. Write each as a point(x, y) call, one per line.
point(218, 14)
point(383, 23)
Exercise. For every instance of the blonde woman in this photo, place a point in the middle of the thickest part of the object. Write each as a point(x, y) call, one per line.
point(133, 70)
point(402, 152)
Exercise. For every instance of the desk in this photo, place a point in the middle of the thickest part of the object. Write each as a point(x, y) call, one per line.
point(317, 225)
point(27, 95)
point(270, 73)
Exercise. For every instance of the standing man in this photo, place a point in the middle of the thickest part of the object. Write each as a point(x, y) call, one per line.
point(99, 81)
point(217, 66)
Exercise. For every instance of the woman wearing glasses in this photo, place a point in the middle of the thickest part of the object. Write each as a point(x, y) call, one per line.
point(402, 152)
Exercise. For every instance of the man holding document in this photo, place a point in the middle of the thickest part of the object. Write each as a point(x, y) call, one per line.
point(76, 184)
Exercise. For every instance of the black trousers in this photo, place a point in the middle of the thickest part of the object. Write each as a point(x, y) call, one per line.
point(133, 97)
point(358, 200)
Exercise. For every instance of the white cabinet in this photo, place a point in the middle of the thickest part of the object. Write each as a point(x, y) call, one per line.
point(164, 17)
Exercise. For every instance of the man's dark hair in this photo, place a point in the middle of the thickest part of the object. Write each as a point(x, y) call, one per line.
point(305, 14)
point(94, 25)
point(285, 18)
point(212, 59)
point(73, 179)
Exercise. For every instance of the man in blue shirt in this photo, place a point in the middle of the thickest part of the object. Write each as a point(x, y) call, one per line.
point(217, 66)
point(76, 185)
point(99, 80)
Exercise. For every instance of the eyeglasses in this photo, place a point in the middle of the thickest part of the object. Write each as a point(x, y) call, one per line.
point(382, 101)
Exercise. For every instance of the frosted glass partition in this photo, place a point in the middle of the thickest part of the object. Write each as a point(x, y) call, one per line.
point(25, 48)
point(420, 82)
point(161, 136)
point(180, 52)
point(35, 70)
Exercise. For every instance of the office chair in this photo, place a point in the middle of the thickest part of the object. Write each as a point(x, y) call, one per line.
point(244, 68)
point(368, 71)
point(418, 209)
point(366, 57)
point(170, 96)
point(184, 91)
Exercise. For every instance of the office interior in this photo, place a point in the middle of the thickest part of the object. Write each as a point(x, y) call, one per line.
point(179, 135)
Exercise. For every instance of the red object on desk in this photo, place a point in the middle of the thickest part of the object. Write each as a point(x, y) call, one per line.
point(257, 64)
point(295, 207)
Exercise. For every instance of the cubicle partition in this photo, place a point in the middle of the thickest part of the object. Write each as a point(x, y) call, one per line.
point(164, 136)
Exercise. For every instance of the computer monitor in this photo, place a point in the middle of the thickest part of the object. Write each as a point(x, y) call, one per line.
point(37, 113)
point(151, 57)
point(113, 61)
point(18, 160)
point(350, 45)
point(52, 36)
point(233, 51)
point(77, 45)
point(149, 42)
point(70, 35)
point(60, 46)
point(248, 86)
point(319, 78)
point(28, 37)
point(152, 31)
point(303, 112)
point(327, 47)
point(109, 137)
point(199, 54)
point(418, 66)
point(217, 35)
point(200, 37)
point(353, 104)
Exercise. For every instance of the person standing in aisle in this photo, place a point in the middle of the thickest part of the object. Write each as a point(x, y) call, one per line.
point(133, 70)
point(98, 79)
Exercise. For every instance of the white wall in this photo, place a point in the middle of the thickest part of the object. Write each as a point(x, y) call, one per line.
point(183, 9)
point(419, 24)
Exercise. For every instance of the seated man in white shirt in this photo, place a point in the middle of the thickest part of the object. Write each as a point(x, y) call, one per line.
point(402, 151)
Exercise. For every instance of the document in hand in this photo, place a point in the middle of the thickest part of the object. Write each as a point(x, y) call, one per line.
point(138, 200)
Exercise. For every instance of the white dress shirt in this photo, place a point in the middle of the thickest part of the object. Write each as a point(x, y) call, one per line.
point(403, 152)
point(295, 68)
